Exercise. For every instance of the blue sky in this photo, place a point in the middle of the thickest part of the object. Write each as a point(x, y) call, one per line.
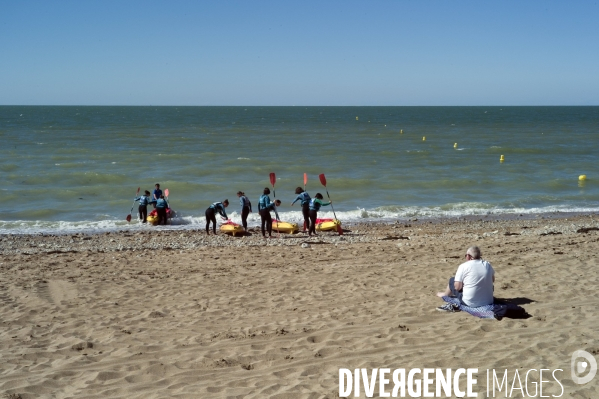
point(299, 53)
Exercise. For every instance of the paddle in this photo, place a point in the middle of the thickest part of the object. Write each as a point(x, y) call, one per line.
point(167, 203)
point(305, 182)
point(273, 180)
point(323, 180)
point(128, 218)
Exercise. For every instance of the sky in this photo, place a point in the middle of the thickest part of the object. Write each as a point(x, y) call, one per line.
point(324, 53)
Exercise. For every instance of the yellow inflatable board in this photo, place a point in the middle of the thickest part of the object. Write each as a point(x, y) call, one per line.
point(284, 227)
point(327, 225)
point(232, 228)
point(153, 220)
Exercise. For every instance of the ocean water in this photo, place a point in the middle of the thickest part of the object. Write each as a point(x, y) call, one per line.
point(68, 169)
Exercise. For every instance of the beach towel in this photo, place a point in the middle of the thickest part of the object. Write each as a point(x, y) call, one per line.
point(498, 310)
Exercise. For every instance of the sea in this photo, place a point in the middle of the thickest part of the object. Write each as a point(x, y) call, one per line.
point(69, 169)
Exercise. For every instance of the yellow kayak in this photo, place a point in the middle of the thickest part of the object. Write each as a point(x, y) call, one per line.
point(153, 216)
point(232, 228)
point(284, 227)
point(327, 224)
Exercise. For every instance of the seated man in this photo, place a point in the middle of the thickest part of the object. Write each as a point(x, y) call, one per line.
point(473, 282)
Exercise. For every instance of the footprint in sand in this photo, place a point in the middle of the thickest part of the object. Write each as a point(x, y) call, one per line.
point(57, 291)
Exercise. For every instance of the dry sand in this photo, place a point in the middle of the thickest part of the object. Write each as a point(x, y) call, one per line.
point(178, 315)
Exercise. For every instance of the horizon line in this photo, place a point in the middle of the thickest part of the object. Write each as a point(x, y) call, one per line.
point(290, 106)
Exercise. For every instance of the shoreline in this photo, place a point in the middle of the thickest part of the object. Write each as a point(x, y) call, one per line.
point(360, 232)
point(183, 224)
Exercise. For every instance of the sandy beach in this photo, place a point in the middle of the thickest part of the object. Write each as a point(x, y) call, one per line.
point(176, 314)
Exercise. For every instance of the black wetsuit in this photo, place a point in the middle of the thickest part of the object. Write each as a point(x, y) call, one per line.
point(246, 208)
point(264, 207)
point(210, 217)
point(304, 197)
point(143, 213)
point(161, 206)
point(265, 219)
point(315, 205)
point(312, 215)
point(161, 215)
point(306, 213)
point(144, 200)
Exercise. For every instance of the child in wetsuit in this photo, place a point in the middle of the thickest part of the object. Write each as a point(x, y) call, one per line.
point(264, 207)
point(144, 200)
point(211, 214)
point(315, 204)
point(161, 207)
point(246, 208)
point(304, 199)
point(156, 194)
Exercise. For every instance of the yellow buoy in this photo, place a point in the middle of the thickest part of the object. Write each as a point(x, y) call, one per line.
point(423, 138)
point(501, 159)
point(455, 145)
point(401, 131)
point(582, 177)
point(356, 118)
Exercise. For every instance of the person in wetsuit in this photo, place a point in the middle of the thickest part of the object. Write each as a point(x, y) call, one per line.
point(265, 205)
point(246, 208)
point(144, 200)
point(211, 214)
point(304, 199)
point(315, 204)
point(156, 194)
point(161, 207)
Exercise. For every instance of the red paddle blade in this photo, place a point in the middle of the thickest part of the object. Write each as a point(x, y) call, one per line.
point(273, 178)
point(128, 217)
point(323, 180)
point(137, 190)
point(166, 192)
point(305, 179)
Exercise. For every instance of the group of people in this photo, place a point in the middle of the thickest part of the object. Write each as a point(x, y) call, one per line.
point(310, 208)
point(157, 199)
